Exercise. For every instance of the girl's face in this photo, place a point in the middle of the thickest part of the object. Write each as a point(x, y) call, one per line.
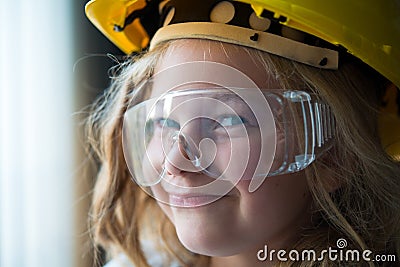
point(240, 222)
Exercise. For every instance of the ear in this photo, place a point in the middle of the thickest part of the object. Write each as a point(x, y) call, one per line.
point(329, 180)
point(326, 170)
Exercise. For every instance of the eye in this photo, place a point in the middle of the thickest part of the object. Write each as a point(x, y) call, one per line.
point(166, 123)
point(231, 120)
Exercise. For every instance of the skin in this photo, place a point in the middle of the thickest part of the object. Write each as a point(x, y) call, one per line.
point(234, 228)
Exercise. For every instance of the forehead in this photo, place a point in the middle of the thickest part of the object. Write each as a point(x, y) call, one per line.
point(217, 64)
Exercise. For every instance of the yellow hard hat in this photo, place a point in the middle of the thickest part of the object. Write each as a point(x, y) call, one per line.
point(367, 29)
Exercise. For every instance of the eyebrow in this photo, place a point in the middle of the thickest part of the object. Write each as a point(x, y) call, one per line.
point(217, 93)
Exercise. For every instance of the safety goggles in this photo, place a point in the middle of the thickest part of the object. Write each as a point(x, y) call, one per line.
point(227, 134)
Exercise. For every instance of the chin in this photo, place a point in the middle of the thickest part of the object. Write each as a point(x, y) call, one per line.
point(208, 243)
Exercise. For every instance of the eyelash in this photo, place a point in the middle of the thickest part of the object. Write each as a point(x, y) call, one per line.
point(162, 122)
point(237, 120)
point(221, 122)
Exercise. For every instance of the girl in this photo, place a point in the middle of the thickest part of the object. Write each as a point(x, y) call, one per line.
point(248, 141)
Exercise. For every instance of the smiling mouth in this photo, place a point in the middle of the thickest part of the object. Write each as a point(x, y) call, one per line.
point(195, 191)
point(193, 200)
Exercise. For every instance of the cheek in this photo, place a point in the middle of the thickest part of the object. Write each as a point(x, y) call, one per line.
point(240, 157)
point(167, 211)
point(153, 159)
point(279, 206)
point(288, 191)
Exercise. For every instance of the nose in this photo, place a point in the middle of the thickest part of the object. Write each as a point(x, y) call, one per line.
point(183, 156)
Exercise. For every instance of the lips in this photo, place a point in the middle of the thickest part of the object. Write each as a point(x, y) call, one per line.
point(192, 190)
point(191, 200)
point(183, 196)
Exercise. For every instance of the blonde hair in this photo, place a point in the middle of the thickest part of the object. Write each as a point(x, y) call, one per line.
point(355, 187)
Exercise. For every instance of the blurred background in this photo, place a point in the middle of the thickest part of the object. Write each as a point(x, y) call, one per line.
point(53, 64)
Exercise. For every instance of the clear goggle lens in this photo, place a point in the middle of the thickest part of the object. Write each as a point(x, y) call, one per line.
point(226, 134)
